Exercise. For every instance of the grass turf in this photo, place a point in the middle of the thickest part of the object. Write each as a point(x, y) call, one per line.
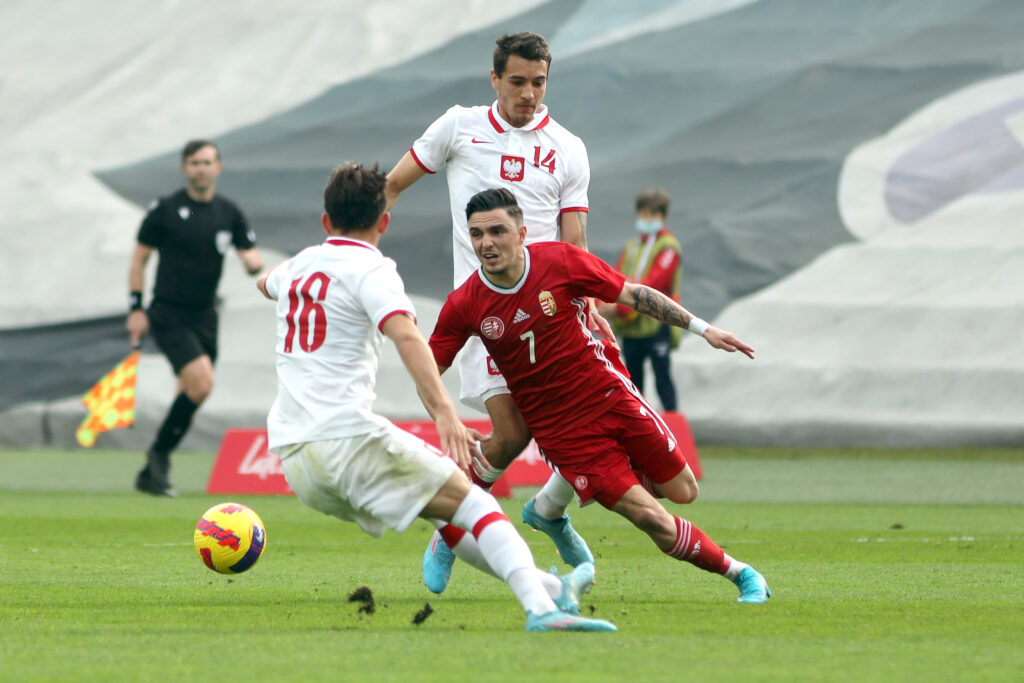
point(101, 583)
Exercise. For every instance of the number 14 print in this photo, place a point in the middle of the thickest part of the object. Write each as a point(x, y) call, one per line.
point(548, 162)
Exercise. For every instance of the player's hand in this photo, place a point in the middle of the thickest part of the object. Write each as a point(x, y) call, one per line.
point(727, 341)
point(598, 325)
point(477, 453)
point(137, 326)
point(456, 441)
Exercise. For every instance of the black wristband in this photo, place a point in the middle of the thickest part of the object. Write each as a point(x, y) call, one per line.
point(134, 301)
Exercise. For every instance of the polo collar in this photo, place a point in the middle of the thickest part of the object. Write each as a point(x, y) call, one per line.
point(338, 241)
point(540, 119)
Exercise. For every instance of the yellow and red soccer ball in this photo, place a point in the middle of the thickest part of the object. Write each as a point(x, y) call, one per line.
point(230, 538)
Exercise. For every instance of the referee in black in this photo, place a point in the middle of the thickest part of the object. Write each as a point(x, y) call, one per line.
point(191, 229)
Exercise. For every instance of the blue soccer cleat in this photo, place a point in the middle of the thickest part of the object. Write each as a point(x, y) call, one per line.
point(438, 560)
point(560, 621)
point(753, 587)
point(574, 586)
point(571, 546)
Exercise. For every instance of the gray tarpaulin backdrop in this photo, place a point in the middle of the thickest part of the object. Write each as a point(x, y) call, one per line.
point(847, 182)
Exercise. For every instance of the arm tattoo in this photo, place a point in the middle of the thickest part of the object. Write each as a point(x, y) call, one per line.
point(655, 304)
point(582, 217)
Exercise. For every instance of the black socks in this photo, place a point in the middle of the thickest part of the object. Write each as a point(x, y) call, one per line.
point(177, 422)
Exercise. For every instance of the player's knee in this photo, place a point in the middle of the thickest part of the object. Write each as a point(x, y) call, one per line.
point(686, 493)
point(683, 489)
point(448, 498)
point(199, 390)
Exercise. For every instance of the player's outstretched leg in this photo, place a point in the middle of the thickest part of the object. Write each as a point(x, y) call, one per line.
point(509, 558)
point(566, 591)
point(571, 546)
point(563, 621)
point(438, 560)
point(694, 546)
point(753, 587)
point(574, 586)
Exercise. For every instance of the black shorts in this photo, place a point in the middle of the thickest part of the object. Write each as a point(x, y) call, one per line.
point(183, 334)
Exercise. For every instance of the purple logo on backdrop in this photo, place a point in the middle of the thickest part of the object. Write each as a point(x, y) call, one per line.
point(980, 154)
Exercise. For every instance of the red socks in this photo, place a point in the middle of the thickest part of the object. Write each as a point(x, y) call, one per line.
point(451, 535)
point(697, 548)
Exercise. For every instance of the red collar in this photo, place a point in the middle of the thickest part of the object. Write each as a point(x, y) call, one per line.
point(346, 242)
point(499, 123)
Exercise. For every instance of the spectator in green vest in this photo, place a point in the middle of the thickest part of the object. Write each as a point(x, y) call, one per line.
point(653, 258)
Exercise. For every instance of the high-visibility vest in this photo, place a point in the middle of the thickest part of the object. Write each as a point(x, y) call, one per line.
point(635, 263)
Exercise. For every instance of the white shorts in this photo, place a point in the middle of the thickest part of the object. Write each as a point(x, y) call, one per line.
point(480, 377)
point(381, 480)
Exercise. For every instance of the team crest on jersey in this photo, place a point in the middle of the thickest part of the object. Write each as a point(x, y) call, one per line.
point(547, 303)
point(512, 168)
point(492, 328)
point(580, 483)
point(184, 212)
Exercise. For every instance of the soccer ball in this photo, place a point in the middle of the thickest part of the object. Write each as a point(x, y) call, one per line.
point(229, 538)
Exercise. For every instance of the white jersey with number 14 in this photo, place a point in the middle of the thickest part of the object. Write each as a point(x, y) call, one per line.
point(542, 164)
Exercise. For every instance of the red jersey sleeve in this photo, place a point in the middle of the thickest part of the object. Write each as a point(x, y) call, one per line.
point(449, 335)
point(591, 276)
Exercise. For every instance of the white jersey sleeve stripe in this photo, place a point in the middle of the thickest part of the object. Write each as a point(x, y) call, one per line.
point(420, 163)
point(383, 320)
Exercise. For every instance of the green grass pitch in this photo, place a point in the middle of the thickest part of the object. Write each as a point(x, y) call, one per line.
point(885, 566)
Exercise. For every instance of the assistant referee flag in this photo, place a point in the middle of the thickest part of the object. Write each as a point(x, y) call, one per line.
point(110, 402)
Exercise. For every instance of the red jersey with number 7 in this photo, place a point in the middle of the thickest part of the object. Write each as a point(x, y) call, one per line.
point(536, 333)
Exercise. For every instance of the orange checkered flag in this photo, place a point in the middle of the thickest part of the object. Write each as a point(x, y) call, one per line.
point(110, 402)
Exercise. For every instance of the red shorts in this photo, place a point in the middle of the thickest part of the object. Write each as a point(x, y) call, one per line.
point(599, 458)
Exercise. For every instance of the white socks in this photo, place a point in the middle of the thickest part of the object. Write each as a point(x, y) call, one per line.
point(503, 548)
point(554, 497)
point(468, 550)
point(735, 567)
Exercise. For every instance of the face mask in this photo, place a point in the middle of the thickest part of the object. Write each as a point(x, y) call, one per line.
point(647, 227)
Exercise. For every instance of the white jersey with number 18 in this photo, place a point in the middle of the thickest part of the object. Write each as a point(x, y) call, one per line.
point(542, 164)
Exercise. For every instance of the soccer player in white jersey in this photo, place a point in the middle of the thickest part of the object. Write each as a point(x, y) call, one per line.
point(514, 143)
point(335, 304)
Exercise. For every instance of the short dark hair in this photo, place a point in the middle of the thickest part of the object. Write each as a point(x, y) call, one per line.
point(654, 199)
point(529, 46)
point(354, 197)
point(497, 198)
point(193, 146)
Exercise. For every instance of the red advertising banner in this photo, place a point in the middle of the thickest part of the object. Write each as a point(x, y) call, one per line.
point(244, 465)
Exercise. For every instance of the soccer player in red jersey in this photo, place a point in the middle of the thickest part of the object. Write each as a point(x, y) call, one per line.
point(528, 306)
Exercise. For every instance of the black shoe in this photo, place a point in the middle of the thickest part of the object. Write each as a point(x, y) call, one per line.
point(146, 483)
